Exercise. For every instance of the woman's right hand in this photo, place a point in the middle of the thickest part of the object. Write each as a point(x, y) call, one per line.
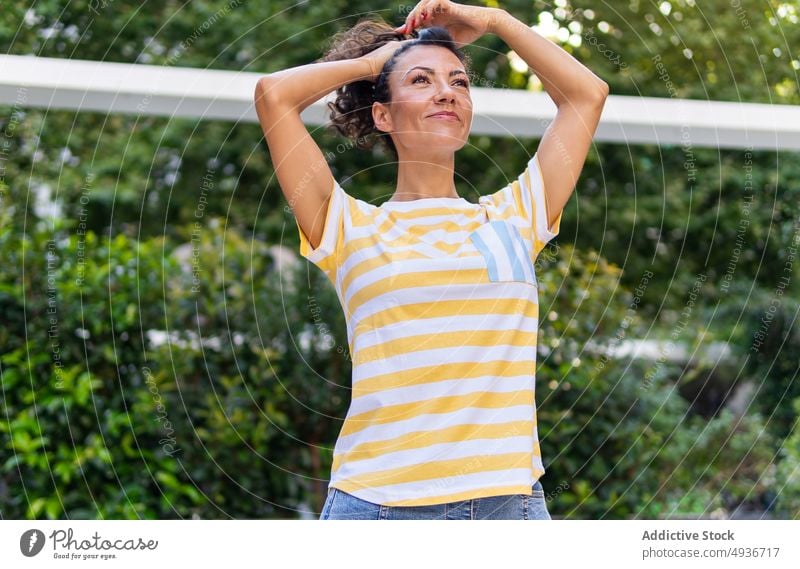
point(378, 57)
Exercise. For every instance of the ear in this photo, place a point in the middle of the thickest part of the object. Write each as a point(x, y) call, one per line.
point(381, 117)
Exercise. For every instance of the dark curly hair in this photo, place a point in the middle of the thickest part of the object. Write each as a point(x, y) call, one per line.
point(351, 111)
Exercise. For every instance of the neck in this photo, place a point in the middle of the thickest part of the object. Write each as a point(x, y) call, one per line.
point(425, 175)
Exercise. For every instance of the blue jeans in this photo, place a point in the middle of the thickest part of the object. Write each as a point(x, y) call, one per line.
point(340, 505)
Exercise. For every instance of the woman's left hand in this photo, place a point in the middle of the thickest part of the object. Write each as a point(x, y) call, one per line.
point(465, 23)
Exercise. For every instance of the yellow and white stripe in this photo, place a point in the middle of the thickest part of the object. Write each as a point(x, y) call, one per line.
point(441, 302)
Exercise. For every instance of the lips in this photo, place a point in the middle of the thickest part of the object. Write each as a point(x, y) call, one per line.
point(445, 114)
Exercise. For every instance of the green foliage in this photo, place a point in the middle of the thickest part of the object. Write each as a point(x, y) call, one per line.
point(71, 375)
point(617, 443)
point(769, 341)
point(787, 480)
point(212, 423)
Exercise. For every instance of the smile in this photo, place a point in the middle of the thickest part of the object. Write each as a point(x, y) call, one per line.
point(445, 116)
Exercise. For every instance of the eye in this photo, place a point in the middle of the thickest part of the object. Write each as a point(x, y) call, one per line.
point(463, 82)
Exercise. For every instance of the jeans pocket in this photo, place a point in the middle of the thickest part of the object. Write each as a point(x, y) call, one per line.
point(507, 256)
point(537, 503)
point(345, 506)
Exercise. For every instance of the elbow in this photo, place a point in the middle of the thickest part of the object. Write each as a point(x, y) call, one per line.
point(601, 90)
point(592, 94)
point(604, 89)
point(263, 92)
point(267, 100)
point(599, 94)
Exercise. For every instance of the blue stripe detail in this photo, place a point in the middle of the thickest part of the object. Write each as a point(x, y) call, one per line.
point(487, 254)
point(527, 260)
point(516, 266)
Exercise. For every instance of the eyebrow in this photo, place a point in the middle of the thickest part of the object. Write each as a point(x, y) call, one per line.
point(453, 72)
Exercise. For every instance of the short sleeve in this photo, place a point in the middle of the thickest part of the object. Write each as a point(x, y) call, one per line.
point(535, 201)
point(326, 254)
point(527, 196)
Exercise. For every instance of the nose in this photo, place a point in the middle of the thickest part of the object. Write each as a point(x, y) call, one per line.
point(445, 92)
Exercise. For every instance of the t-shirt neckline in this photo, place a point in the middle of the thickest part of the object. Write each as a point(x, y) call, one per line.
point(426, 201)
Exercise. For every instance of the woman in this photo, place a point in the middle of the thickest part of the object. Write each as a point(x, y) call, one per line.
point(440, 294)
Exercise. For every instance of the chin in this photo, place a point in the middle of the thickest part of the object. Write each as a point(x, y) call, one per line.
point(442, 141)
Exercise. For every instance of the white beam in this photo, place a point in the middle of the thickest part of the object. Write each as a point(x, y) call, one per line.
point(43, 82)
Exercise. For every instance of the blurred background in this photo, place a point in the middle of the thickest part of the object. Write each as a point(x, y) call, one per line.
point(166, 353)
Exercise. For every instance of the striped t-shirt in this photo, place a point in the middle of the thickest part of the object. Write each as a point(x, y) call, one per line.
point(441, 303)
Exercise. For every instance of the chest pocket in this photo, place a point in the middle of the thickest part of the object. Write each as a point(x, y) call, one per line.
point(505, 252)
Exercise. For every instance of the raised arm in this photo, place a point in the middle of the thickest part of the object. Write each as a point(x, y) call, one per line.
point(280, 98)
point(303, 173)
point(579, 95)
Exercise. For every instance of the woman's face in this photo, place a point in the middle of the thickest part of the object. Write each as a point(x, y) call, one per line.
point(426, 79)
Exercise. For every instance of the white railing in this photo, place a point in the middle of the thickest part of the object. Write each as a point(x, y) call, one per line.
point(52, 83)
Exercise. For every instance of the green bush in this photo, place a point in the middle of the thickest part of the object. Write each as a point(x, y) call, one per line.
point(786, 486)
point(226, 419)
point(72, 351)
point(616, 442)
point(769, 341)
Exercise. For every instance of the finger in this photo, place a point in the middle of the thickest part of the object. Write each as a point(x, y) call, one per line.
point(404, 28)
point(428, 10)
point(414, 17)
point(407, 27)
